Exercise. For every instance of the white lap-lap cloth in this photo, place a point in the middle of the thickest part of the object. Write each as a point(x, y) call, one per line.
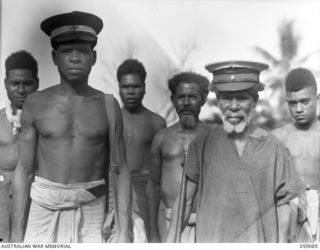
point(65, 212)
point(304, 221)
point(189, 233)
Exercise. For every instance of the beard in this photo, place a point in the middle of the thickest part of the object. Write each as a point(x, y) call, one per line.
point(188, 121)
point(236, 129)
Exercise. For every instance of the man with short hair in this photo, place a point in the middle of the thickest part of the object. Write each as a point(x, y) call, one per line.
point(189, 93)
point(21, 80)
point(140, 125)
point(302, 137)
point(65, 128)
point(242, 174)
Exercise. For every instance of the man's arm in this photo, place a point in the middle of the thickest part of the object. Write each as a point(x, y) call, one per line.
point(283, 214)
point(288, 185)
point(23, 173)
point(160, 123)
point(153, 186)
point(124, 182)
point(191, 190)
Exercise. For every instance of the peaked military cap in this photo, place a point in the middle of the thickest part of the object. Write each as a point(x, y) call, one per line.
point(71, 26)
point(235, 75)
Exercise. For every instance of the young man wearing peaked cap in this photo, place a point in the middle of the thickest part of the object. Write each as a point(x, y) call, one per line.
point(65, 128)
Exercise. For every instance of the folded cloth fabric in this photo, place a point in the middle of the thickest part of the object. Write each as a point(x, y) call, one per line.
point(65, 212)
point(304, 221)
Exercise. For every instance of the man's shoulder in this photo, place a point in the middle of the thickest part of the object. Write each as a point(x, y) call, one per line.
point(172, 128)
point(285, 127)
point(159, 136)
point(44, 93)
point(213, 130)
point(157, 120)
point(206, 126)
point(153, 115)
point(269, 137)
point(34, 99)
point(281, 132)
point(207, 133)
point(167, 132)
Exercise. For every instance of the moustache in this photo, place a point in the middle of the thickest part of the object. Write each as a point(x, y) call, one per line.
point(19, 98)
point(237, 114)
point(187, 111)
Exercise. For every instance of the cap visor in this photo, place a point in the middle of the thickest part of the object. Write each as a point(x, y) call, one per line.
point(75, 36)
point(234, 86)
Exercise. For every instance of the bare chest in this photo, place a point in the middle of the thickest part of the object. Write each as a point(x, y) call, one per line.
point(138, 132)
point(305, 146)
point(6, 133)
point(174, 146)
point(8, 147)
point(81, 118)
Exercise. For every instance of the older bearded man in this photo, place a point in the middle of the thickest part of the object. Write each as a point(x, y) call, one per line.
point(189, 92)
point(242, 173)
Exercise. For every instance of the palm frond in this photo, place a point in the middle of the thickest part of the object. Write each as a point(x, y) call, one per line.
point(307, 56)
point(266, 55)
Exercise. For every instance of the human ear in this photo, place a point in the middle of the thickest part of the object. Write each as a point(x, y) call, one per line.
point(54, 57)
point(94, 57)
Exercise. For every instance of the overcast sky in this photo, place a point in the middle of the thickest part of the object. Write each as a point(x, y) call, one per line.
point(157, 32)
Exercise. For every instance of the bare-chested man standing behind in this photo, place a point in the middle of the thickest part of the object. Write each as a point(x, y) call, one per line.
point(65, 128)
point(21, 80)
point(302, 137)
point(140, 125)
point(189, 93)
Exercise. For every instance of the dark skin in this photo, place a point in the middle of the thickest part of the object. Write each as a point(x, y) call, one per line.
point(140, 126)
point(236, 107)
point(65, 127)
point(305, 128)
point(19, 84)
point(167, 151)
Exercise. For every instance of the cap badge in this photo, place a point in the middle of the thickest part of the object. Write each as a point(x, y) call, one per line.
point(74, 28)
